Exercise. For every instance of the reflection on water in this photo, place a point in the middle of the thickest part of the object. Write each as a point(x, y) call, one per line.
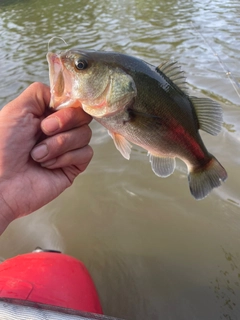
point(153, 251)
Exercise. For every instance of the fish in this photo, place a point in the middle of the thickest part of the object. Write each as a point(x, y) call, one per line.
point(142, 104)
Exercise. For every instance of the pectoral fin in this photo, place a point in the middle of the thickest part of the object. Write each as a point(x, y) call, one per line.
point(162, 166)
point(121, 144)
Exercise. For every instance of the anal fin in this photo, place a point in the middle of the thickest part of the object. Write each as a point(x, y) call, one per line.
point(121, 144)
point(162, 166)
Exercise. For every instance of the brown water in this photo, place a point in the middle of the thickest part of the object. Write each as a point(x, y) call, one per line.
point(153, 251)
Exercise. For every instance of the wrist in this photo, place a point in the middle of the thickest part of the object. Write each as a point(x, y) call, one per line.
point(6, 213)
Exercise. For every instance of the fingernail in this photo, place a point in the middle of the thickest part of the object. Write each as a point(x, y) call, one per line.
point(48, 163)
point(50, 125)
point(39, 152)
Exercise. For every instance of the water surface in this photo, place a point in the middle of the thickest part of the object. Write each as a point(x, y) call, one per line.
point(153, 251)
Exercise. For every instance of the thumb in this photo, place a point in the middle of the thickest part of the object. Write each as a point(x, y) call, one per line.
point(35, 99)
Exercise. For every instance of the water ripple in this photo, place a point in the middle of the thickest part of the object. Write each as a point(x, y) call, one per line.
point(119, 211)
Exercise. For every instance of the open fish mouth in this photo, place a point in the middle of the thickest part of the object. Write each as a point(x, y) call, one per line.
point(60, 83)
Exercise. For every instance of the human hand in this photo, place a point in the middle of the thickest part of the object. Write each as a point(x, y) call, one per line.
point(33, 173)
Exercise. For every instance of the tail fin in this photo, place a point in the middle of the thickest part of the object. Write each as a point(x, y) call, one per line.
point(201, 182)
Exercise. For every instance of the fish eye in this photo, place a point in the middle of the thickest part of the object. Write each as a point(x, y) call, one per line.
point(81, 64)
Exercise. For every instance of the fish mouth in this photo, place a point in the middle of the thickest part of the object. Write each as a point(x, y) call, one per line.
point(60, 83)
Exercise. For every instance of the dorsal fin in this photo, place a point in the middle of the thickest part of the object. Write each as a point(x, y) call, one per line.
point(209, 114)
point(173, 71)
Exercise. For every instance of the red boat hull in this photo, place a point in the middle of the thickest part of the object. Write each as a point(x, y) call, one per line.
point(50, 278)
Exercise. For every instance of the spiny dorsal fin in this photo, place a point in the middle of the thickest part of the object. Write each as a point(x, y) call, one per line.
point(173, 71)
point(209, 114)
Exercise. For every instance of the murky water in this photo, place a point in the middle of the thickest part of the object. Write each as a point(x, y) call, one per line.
point(153, 251)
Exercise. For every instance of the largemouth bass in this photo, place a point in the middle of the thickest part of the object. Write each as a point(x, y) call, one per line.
point(142, 104)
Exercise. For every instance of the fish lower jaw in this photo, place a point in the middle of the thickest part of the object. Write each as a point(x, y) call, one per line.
point(66, 104)
point(97, 111)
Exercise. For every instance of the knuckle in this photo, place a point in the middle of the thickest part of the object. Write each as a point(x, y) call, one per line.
point(89, 152)
point(38, 86)
point(87, 132)
point(61, 140)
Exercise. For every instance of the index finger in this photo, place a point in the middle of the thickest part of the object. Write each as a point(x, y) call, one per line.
point(65, 119)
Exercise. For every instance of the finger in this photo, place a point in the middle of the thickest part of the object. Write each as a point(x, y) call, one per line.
point(61, 143)
point(76, 160)
point(65, 119)
point(35, 99)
